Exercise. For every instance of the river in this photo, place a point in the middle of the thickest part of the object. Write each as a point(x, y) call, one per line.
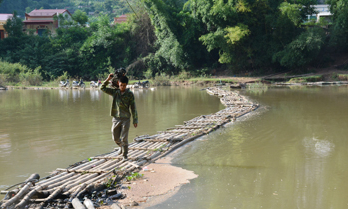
point(41, 130)
point(290, 153)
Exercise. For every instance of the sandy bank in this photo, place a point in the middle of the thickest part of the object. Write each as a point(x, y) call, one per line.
point(160, 182)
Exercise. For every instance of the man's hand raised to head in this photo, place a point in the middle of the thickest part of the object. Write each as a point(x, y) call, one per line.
point(111, 75)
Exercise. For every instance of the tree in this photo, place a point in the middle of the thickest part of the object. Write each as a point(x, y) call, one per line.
point(339, 37)
point(80, 17)
point(106, 47)
point(302, 50)
point(108, 5)
point(14, 26)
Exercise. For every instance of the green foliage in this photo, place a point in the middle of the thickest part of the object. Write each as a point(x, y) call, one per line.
point(292, 11)
point(3, 79)
point(14, 26)
point(339, 9)
point(134, 176)
point(163, 17)
point(80, 17)
point(170, 37)
point(64, 77)
point(148, 74)
point(302, 50)
point(341, 77)
point(306, 79)
point(31, 78)
point(9, 6)
point(107, 46)
point(183, 75)
point(161, 79)
point(236, 33)
point(15, 73)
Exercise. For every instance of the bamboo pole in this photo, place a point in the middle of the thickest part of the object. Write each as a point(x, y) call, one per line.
point(89, 204)
point(58, 179)
point(82, 171)
point(59, 183)
point(54, 194)
point(22, 192)
point(77, 204)
point(77, 191)
point(26, 198)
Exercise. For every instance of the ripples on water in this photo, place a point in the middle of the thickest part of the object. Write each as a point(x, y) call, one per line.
point(322, 148)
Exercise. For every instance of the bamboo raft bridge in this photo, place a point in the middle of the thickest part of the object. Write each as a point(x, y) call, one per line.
point(88, 179)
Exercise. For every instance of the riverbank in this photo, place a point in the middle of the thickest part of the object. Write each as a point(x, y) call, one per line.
point(160, 181)
point(321, 77)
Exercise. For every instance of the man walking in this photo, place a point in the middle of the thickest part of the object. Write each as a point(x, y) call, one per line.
point(123, 100)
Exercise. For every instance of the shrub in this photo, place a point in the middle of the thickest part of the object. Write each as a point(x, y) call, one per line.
point(30, 77)
point(183, 75)
point(3, 79)
point(12, 71)
point(302, 50)
point(343, 77)
point(63, 77)
point(148, 74)
point(306, 79)
point(161, 79)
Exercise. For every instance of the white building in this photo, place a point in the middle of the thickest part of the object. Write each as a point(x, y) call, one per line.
point(323, 11)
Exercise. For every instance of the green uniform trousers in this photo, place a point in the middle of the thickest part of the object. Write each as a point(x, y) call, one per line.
point(120, 129)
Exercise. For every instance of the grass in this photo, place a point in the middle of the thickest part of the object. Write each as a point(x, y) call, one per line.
point(314, 78)
point(214, 80)
point(342, 77)
point(134, 176)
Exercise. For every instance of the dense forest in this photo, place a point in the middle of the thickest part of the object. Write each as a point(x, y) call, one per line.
point(170, 37)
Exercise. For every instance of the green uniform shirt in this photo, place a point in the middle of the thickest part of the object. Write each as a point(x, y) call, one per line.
point(121, 102)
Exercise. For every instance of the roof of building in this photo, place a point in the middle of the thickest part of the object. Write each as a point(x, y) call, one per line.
point(38, 21)
point(46, 12)
point(4, 17)
point(122, 18)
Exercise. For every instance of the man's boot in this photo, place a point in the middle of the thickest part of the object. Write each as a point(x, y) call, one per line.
point(125, 152)
point(120, 150)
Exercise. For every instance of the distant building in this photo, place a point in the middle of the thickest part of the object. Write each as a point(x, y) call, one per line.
point(323, 11)
point(43, 19)
point(120, 19)
point(3, 20)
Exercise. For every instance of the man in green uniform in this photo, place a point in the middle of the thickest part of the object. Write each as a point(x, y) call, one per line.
point(123, 100)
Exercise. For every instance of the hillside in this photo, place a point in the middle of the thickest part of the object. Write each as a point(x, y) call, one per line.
point(92, 7)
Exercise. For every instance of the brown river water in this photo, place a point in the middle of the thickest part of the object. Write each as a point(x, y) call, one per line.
point(290, 153)
point(41, 130)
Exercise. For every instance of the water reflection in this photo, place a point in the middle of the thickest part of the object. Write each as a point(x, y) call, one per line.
point(64, 94)
point(5, 145)
point(95, 94)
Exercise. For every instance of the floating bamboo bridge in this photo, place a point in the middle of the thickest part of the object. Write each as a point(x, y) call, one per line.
point(64, 188)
